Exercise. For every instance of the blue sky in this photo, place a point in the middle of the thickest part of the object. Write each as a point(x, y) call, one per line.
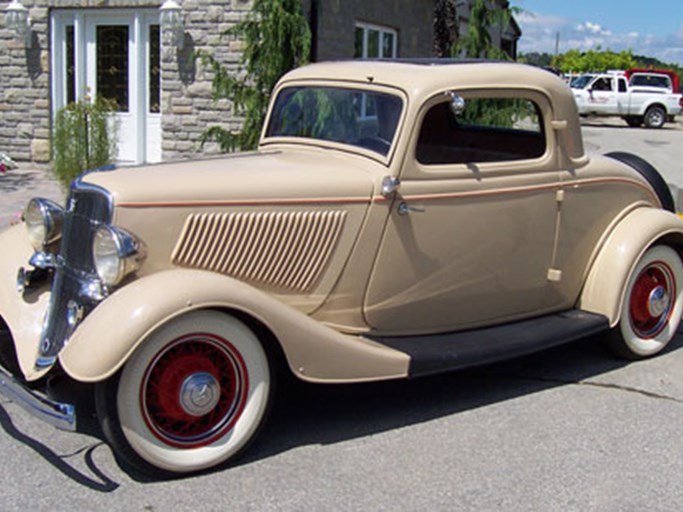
point(647, 27)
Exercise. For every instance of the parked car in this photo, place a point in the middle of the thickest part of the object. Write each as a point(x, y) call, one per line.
point(398, 219)
point(637, 96)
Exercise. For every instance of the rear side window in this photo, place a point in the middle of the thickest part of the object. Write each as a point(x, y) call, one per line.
point(488, 130)
point(651, 81)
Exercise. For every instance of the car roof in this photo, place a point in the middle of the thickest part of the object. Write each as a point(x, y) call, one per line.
point(421, 79)
point(410, 74)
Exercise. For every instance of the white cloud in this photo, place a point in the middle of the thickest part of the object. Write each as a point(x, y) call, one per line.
point(539, 33)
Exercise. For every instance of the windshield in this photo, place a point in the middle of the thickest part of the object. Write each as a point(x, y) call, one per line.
point(367, 119)
point(581, 81)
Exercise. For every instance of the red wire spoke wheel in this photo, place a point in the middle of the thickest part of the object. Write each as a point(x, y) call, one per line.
point(652, 299)
point(194, 390)
point(652, 305)
point(192, 395)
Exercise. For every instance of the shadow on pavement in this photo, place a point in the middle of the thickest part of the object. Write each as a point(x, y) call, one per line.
point(100, 483)
point(310, 414)
point(307, 414)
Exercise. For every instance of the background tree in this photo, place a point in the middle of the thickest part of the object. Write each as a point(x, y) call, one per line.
point(476, 42)
point(276, 38)
point(445, 27)
point(598, 60)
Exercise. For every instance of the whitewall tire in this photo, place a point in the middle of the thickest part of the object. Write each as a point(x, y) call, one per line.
point(191, 396)
point(652, 306)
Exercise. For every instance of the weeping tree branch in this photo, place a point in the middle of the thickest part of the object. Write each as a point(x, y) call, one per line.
point(277, 38)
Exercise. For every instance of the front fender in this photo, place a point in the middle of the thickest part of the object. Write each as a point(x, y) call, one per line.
point(603, 291)
point(23, 314)
point(109, 335)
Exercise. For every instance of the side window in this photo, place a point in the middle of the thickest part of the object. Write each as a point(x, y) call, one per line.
point(622, 85)
point(488, 130)
point(602, 84)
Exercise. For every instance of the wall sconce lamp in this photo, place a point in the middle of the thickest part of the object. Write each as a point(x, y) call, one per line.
point(171, 20)
point(16, 17)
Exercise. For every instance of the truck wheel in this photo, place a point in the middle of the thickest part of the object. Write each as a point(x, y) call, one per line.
point(191, 396)
point(655, 117)
point(650, 174)
point(633, 121)
point(653, 303)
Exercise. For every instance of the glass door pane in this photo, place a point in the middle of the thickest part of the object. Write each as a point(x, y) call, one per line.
point(154, 60)
point(112, 64)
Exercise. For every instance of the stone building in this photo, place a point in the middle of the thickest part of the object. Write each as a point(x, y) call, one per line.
point(72, 49)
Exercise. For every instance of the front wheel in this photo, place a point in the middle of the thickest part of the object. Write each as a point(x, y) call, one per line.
point(653, 303)
point(193, 395)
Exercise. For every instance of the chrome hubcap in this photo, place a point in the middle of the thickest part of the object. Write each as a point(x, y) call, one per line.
point(658, 301)
point(199, 394)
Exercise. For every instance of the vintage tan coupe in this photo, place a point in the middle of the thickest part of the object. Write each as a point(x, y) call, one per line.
point(398, 219)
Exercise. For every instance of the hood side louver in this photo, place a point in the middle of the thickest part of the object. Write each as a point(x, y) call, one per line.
point(282, 250)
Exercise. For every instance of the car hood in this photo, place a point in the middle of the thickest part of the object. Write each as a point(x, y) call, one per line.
point(283, 221)
point(252, 178)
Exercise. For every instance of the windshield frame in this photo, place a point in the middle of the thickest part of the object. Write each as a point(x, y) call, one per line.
point(267, 140)
point(582, 81)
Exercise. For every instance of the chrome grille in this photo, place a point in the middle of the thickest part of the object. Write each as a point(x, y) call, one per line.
point(87, 208)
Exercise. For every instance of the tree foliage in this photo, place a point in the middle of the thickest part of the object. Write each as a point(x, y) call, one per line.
point(476, 41)
point(276, 38)
point(576, 61)
point(445, 27)
point(84, 137)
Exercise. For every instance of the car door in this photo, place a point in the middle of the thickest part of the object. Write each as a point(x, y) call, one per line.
point(623, 97)
point(602, 98)
point(469, 240)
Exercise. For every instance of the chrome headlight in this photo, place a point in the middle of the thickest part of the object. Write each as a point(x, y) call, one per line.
point(44, 220)
point(116, 254)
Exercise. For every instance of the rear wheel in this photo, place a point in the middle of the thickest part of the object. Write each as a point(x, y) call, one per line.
point(653, 303)
point(655, 117)
point(192, 396)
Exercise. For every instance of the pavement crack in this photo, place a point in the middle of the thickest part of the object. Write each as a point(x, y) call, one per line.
point(628, 389)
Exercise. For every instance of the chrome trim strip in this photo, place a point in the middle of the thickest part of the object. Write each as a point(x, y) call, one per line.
point(57, 414)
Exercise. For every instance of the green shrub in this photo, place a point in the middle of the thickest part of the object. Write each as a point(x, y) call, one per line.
point(84, 137)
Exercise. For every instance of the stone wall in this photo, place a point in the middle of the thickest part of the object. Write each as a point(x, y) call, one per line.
point(187, 106)
point(24, 88)
point(412, 19)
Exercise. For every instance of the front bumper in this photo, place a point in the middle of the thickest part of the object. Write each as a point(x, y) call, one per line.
point(57, 414)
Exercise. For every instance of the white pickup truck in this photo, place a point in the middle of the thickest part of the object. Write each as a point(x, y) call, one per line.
point(639, 98)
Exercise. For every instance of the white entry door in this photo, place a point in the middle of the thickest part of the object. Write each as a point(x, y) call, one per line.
point(114, 55)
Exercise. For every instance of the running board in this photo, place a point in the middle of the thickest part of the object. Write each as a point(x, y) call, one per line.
point(453, 351)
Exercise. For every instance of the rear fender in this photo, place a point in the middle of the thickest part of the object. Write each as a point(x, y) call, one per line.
point(108, 336)
point(604, 288)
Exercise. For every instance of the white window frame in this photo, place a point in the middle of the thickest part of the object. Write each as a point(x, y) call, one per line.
point(366, 28)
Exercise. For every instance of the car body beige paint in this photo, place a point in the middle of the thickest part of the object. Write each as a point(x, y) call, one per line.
point(314, 352)
point(640, 229)
point(23, 313)
point(472, 239)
